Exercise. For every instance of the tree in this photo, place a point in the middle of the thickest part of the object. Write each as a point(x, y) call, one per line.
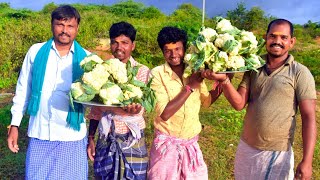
point(188, 18)
point(4, 6)
point(47, 9)
point(255, 19)
point(252, 20)
point(128, 9)
point(187, 11)
point(312, 29)
point(238, 15)
point(152, 12)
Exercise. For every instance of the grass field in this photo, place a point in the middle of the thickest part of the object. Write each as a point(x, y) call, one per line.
point(218, 141)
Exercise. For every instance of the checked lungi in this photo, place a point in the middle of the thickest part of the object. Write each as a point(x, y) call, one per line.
point(48, 160)
point(114, 161)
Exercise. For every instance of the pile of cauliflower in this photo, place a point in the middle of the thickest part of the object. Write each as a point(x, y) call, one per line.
point(111, 82)
point(223, 48)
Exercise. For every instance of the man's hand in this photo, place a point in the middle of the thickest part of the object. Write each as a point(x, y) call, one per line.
point(209, 74)
point(133, 108)
point(195, 80)
point(13, 134)
point(91, 148)
point(304, 171)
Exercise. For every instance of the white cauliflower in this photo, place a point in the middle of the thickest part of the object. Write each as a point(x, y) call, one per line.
point(222, 39)
point(249, 41)
point(132, 91)
point(76, 90)
point(254, 60)
point(111, 94)
point(224, 25)
point(218, 63)
point(117, 69)
point(223, 48)
point(227, 43)
point(89, 62)
point(209, 34)
point(92, 57)
point(235, 62)
point(249, 36)
point(78, 93)
point(96, 78)
point(236, 49)
point(209, 50)
point(187, 57)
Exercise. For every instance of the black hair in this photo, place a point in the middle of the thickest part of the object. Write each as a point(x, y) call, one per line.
point(281, 21)
point(65, 12)
point(122, 28)
point(172, 35)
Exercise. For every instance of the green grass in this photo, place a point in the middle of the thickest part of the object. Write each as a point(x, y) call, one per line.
point(218, 140)
point(10, 162)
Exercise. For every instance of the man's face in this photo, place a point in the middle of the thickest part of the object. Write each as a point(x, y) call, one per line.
point(279, 40)
point(121, 48)
point(64, 31)
point(174, 53)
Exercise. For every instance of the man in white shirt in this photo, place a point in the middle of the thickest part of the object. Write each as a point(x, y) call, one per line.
point(57, 133)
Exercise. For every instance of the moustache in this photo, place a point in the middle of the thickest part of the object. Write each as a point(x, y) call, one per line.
point(275, 44)
point(64, 34)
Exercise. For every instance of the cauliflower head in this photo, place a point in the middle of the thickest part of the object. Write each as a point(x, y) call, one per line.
point(117, 69)
point(96, 78)
point(132, 91)
point(222, 39)
point(90, 61)
point(227, 43)
point(224, 25)
point(235, 62)
point(78, 93)
point(111, 93)
point(254, 61)
point(249, 42)
point(209, 34)
point(218, 63)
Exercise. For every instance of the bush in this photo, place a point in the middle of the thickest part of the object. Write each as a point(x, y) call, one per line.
point(19, 29)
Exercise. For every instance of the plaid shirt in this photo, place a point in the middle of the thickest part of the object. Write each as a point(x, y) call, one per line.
point(121, 127)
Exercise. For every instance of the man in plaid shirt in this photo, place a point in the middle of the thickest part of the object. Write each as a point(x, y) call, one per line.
point(121, 151)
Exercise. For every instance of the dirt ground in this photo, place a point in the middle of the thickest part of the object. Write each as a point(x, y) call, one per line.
point(103, 50)
point(5, 98)
point(318, 39)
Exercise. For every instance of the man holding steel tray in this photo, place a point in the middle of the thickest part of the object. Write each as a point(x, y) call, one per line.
point(120, 152)
point(273, 95)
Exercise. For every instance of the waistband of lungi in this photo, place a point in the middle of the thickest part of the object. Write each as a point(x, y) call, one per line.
point(121, 136)
point(160, 136)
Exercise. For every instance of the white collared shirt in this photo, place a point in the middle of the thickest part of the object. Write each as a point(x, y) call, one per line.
point(50, 121)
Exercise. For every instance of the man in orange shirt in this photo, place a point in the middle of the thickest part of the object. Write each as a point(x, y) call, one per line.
point(175, 153)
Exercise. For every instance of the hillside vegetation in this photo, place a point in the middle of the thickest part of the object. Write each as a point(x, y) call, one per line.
point(19, 29)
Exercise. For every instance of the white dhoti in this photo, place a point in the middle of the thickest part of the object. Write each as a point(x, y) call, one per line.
point(255, 164)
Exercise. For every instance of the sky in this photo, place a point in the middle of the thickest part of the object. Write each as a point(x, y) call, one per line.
point(297, 11)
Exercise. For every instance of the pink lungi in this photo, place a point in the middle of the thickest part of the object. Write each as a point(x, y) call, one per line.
point(176, 159)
